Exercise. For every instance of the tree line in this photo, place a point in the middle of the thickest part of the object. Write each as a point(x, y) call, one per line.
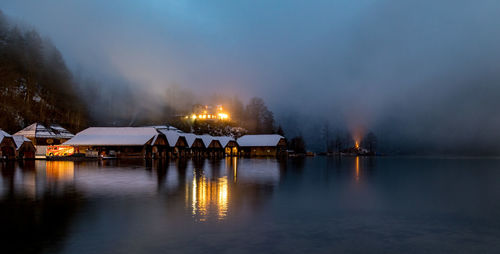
point(35, 83)
point(339, 140)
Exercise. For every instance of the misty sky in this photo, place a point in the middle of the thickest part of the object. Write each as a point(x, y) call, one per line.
point(415, 72)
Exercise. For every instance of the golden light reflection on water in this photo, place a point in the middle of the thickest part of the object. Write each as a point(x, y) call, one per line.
point(60, 170)
point(235, 169)
point(357, 168)
point(208, 197)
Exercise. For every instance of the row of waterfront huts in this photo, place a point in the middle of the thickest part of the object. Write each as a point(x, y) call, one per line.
point(150, 142)
point(15, 147)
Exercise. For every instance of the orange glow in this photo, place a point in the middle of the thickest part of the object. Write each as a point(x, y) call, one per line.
point(60, 170)
point(356, 144)
point(357, 168)
point(59, 151)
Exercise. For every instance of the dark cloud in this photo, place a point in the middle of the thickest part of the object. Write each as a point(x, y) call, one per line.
point(419, 73)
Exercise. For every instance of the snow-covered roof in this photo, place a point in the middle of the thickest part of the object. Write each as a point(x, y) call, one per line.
point(3, 135)
point(110, 136)
point(259, 140)
point(164, 127)
point(224, 140)
point(37, 130)
point(19, 140)
point(190, 138)
point(172, 136)
point(207, 139)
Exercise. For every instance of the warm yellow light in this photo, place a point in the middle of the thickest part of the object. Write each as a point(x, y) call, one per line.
point(193, 116)
point(199, 116)
point(357, 168)
point(222, 197)
point(208, 197)
point(356, 144)
point(223, 116)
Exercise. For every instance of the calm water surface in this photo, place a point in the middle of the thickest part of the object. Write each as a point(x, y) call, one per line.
point(313, 205)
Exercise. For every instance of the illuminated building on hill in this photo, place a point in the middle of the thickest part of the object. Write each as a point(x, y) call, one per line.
point(207, 112)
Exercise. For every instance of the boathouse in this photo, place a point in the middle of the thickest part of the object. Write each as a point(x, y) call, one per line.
point(119, 142)
point(177, 144)
point(7, 146)
point(262, 145)
point(213, 147)
point(42, 136)
point(24, 147)
point(195, 144)
point(229, 145)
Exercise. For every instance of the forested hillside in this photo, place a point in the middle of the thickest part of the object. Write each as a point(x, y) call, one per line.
point(35, 83)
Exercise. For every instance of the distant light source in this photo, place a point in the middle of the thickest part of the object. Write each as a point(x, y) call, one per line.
point(210, 113)
point(223, 116)
point(356, 144)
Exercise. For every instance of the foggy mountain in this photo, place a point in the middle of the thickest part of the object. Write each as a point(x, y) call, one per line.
point(422, 75)
point(35, 84)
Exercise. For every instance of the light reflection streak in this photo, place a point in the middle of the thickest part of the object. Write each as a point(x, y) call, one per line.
point(357, 168)
point(60, 170)
point(208, 197)
point(235, 169)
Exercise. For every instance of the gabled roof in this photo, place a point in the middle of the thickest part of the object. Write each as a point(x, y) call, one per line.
point(259, 140)
point(19, 140)
point(37, 130)
point(122, 136)
point(172, 136)
point(207, 139)
point(190, 138)
point(224, 140)
point(3, 135)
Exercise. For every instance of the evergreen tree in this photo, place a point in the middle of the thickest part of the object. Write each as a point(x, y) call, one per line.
point(297, 144)
point(280, 131)
point(258, 118)
point(35, 84)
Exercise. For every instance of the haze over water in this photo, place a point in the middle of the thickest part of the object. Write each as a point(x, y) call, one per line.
point(317, 205)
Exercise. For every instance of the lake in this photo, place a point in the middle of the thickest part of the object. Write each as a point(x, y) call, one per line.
point(309, 205)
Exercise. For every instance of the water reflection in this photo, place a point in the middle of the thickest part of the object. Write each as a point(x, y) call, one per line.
point(208, 197)
point(357, 168)
point(60, 171)
point(212, 190)
point(321, 204)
